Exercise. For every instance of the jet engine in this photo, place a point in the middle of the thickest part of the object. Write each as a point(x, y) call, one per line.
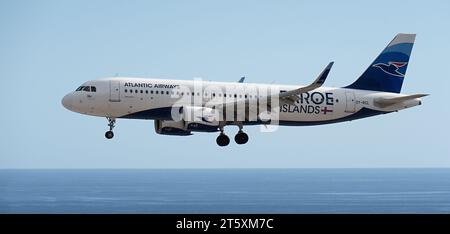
point(194, 119)
point(174, 128)
point(200, 119)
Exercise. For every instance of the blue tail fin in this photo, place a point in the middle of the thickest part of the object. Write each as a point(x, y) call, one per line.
point(387, 72)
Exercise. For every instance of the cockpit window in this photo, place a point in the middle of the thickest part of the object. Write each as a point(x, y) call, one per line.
point(87, 88)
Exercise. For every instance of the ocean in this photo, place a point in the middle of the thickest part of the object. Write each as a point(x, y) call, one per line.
point(225, 191)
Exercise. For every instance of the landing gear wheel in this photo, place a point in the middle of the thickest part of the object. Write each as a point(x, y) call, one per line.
point(109, 134)
point(241, 138)
point(111, 124)
point(223, 140)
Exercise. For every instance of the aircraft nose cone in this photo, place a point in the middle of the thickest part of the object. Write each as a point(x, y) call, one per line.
point(67, 101)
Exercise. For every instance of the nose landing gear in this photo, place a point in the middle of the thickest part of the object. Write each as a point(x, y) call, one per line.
point(111, 123)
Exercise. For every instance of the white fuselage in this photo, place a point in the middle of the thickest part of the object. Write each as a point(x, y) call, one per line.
point(139, 98)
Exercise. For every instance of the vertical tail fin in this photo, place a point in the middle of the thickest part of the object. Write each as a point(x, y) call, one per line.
point(387, 72)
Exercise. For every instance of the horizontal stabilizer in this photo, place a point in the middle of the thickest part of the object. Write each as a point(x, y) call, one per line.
point(384, 102)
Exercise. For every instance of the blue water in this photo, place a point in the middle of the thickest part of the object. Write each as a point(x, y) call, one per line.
point(226, 191)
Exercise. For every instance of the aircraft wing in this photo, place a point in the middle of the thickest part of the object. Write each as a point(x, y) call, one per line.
point(288, 97)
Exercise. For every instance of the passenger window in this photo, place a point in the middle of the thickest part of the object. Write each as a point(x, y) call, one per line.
point(146, 91)
point(142, 91)
point(126, 90)
point(93, 89)
point(151, 91)
point(135, 91)
point(87, 89)
point(167, 92)
point(156, 92)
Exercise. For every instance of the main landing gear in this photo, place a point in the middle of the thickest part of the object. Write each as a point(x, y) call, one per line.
point(111, 123)
point(222, 139)
point(240, 138)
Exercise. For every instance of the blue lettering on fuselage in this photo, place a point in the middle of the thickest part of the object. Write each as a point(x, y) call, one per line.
point(316, 98)
point(310, 103)
point(150, 85)
point(307, 109)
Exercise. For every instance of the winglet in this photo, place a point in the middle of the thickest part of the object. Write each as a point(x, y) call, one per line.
point(323, 75)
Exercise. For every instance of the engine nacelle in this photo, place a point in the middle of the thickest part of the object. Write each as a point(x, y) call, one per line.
point(194, 119)
point(200, 119)
point(174, 128)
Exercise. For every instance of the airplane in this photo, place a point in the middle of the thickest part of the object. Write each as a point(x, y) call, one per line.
point(182, 107)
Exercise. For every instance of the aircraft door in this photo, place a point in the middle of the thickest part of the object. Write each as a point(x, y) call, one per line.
point(350, 105)
point(114, 91)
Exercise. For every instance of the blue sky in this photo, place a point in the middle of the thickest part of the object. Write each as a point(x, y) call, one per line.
point(48, 48)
